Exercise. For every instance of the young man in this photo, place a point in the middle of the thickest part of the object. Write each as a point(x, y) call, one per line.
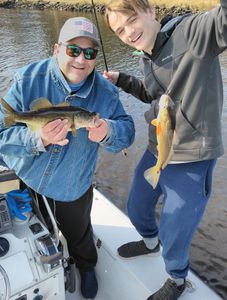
point(180, 59)
point(53, 161)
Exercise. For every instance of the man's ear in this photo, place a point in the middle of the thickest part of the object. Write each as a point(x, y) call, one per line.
point(56, 48)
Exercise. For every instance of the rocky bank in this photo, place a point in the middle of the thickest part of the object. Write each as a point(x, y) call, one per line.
point(85, 7)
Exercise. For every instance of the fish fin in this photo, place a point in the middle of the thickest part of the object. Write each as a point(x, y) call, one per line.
point(169, 157)
point(40, 103)
point(154, 122)
point(63, 104)
point(152, 176)
point(73, 129)
point(33, 128)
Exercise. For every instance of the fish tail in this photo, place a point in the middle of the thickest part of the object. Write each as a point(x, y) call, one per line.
point(9, 113)
point(152, 176)
point(6, 106)
point(9, 120)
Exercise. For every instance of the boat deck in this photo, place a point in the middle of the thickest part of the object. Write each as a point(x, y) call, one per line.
point(134, 279)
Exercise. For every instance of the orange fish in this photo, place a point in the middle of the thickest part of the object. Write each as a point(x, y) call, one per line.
point(164, 132)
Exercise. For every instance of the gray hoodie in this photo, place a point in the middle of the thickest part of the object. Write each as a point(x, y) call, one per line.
point(185, 64)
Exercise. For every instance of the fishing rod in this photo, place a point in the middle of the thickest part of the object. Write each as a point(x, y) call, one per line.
point(97, 24)
point(124, 152)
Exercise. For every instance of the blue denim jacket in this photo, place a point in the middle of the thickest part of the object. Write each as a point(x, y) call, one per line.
point(62, 173)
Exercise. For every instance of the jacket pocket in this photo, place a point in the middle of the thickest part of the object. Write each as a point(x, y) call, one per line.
point(186, 134)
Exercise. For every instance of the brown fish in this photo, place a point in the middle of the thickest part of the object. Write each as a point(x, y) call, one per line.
point(164, 133)
point(44, 112)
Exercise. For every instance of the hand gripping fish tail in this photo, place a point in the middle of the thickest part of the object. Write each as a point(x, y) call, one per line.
point(164, 134)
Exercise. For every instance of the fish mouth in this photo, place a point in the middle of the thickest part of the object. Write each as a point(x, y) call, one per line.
point(97, 116)
point(95, 119)
point(92, 121)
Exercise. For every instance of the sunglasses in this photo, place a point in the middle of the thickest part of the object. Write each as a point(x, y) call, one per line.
point(73, 50)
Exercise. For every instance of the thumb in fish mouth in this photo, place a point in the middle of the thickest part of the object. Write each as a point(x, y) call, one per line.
point(98, 122)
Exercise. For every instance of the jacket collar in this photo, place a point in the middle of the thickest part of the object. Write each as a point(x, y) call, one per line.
point(85, 90)
point(168, 26)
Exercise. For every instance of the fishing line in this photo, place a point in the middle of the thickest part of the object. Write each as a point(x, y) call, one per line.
point(124, 152)
point(97, 24)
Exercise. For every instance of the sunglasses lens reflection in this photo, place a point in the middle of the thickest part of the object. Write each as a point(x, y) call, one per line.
point(75, 51)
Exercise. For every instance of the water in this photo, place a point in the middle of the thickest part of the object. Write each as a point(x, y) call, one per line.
point(29, 35)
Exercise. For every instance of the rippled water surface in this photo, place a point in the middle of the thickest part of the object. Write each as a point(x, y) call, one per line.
point(28, 35)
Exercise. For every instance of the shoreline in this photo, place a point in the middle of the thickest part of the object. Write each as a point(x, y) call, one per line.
point(71, 5)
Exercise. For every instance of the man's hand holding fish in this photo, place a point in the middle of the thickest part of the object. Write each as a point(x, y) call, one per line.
point(55, 132)
point(98, 133)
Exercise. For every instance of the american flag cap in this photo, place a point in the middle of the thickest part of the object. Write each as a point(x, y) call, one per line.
point(78, 27)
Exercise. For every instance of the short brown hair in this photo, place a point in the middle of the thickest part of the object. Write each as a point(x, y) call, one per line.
point(126, 7)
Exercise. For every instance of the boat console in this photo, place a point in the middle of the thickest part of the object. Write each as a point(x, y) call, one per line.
point(31, 265)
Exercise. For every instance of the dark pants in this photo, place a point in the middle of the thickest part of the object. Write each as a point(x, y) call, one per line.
point(73, 220)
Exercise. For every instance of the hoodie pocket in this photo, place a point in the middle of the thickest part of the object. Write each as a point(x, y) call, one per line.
point(186, 133)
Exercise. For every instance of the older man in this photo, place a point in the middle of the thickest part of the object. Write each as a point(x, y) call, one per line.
point(52, 161)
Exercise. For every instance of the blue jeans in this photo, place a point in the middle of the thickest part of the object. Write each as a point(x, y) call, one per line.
point(186, 188)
